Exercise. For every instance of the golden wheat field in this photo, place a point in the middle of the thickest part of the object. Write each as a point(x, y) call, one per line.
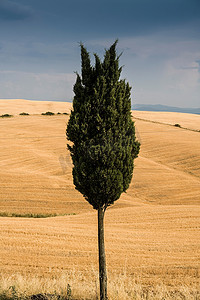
point(152, 232)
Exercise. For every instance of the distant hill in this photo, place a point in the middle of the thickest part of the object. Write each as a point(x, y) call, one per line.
point(159, 107)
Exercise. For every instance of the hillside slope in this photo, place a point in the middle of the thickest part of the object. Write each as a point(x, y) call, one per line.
point(189, 121)
point(35, 166)
point(152, 232)
point(17, 106)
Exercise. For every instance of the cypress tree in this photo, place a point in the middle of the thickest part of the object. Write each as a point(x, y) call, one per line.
point(103, 139)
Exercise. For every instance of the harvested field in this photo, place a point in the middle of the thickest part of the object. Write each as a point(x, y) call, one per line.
point(17, 106)
point(190, 121)
point(152, 232)
point(158, 244)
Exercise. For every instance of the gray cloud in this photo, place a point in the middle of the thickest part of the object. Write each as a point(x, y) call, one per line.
point(13, 11)
point(43, 86)
point(189, 68)
point(198, 61)
point(107, 18)
point(40, 57)
point(131, 17)
point(160, 40)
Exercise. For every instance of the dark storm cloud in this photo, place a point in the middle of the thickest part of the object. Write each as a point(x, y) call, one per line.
point(116, 17)
point(144, 16)
point(80, 20)
point(160, 40)
point(10, 10)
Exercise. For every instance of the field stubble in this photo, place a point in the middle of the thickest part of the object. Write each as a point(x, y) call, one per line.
point(152, 232)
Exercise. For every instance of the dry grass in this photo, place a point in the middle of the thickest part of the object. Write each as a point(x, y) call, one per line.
point(79, 287)
point(190, 121)
point(17, 106)
point(152, 232)
point(160, 244)
point(35, 167)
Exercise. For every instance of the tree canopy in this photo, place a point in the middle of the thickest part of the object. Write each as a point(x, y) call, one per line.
point(101, 130)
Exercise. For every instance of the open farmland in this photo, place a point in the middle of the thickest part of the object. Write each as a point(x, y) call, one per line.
point(152, 232)
point(190, 121)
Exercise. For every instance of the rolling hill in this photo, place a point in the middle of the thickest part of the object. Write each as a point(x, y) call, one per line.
point(152, 231)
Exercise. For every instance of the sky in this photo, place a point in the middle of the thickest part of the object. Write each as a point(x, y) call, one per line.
point(159, 41)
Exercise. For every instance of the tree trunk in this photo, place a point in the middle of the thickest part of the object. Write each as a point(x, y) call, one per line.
point(102, 257)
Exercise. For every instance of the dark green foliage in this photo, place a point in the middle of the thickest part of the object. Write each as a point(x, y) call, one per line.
point(65, 113)
point(102, 131)
point(24, 114)
point(48, 113)
point(6, 116)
